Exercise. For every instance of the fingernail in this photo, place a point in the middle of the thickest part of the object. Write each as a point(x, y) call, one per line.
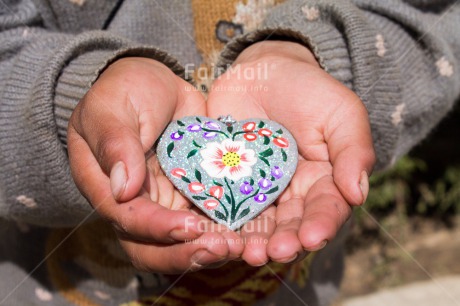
point(261, 264)
point(183, 234)
point(364, 185)
point(288, 260)
point(198, 256)
point(118, 179)
point(319, 247)
point(177, 234)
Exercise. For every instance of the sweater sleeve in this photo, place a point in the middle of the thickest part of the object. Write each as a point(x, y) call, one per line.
point(401, 58)
point(43, 75)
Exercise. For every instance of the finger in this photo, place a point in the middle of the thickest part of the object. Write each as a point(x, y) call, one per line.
point(351, 150)
point(112, 134)
point(325, 212)
point(177, 258)
point(160, 189)
point(284, 245)
point(234, 241)
point(256, 234)
point(141, 218)
point(120, 127)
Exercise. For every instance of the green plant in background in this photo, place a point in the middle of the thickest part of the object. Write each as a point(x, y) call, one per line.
point(425, 183)
point(409, 188)
point(443, 195)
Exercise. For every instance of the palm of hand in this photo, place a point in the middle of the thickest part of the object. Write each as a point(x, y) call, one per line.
point(110, 131)
point(316, 109)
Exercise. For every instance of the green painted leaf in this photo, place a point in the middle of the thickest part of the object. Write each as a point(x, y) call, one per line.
point(196, 144)
point(244, 213)
point(198, 175)
point(284, 155)
point(274, 189)
point(266, 140)
point(262, 173)
point(230, 129)
point(169, 149)
point(264, 160)
point(280, 131)
point(217, 183)
point(199, 198)
point(229, 200)
point(261, 124)
point(185, 179)
point(251, 181)
point(272, 178)
point(220, 215)
point(198, 119)
point(266, 153)
point(180, 123)
point(192, 153)
point(180, 133)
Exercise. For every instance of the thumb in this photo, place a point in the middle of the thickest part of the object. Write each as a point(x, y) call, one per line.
point(117, 147)
point(112, 133)
point(351, 151)
point(123, 158)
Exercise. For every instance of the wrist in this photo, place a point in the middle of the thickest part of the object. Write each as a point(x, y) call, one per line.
point(276, 49)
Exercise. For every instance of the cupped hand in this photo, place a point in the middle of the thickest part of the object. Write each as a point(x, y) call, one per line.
point(283, 82)
point(111, 131)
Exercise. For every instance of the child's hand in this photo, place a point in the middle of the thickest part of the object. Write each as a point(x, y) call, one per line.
point(333, 135)
point(110, 132)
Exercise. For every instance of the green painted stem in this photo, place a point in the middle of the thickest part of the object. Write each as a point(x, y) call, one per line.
point(233, 211)
point(222, 204)
point(238, 133)
point(244, 200)
point(220, 132)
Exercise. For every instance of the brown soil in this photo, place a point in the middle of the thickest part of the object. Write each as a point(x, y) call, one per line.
point(405, 251)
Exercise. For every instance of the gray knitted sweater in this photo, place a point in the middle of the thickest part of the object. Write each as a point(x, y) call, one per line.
point(401, 57)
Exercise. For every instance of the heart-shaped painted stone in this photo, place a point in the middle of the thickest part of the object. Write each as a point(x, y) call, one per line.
point(230, 170)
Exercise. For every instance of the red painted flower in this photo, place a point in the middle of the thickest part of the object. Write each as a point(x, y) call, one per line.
point(196, 187)
point(281, 142)
point(249, 126)
point(265, 132)
point(216, 191)
point(210, 204)
point(250, 136)
point(178, 172)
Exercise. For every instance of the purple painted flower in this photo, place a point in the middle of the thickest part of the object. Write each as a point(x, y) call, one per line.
point(212, 126)
point(265, 183)
point(209, 135)
point(194, 128)
point(246, 188)
point(177, 136)
point(277, 172)
point(260, 198)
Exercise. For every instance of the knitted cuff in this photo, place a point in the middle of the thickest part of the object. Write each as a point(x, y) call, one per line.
point(51, 74)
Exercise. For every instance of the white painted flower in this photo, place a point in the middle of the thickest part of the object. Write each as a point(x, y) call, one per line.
point(228, 159)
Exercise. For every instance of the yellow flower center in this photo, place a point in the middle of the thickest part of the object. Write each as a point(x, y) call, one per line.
point(231, 159)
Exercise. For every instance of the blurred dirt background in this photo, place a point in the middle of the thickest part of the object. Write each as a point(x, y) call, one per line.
point(409, 229)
